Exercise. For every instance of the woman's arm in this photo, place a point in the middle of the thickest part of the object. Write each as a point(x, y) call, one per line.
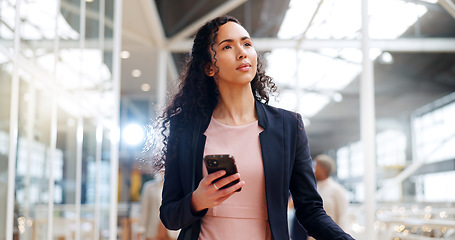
point(175, 210)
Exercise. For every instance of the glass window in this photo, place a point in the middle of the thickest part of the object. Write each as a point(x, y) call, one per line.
point(343, 163)
point(72, 78)
point(435, 134)
point(391, 148)
point(431, 187)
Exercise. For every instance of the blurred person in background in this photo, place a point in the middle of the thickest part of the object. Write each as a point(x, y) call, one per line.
point(150, 226)
point(334, 196)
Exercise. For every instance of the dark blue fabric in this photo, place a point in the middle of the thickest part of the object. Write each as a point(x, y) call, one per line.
point(287, 167)
point(297, 231)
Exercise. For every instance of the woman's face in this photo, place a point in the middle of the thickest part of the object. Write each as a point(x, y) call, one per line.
point(235, 60)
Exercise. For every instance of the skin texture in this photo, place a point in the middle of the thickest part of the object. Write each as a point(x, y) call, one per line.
point(234, 50)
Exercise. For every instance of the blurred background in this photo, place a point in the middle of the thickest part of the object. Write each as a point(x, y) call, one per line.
point(80, 81)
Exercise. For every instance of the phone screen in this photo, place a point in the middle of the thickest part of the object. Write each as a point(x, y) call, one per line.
point(224, 162)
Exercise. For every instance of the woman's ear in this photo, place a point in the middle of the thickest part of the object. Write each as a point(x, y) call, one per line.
point(209, 71)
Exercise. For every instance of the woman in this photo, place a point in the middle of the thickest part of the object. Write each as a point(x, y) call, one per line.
point(221, 108)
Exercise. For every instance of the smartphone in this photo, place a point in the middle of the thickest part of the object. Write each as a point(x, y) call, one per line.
point(224, 162)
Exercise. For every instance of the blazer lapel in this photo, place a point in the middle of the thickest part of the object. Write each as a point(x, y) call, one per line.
point(271, 140)
point(187, 156)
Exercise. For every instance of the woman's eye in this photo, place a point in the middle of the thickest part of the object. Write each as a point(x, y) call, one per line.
point(248, 44)
point(226, 47)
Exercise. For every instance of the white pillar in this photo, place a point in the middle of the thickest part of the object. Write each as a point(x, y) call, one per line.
point(53, 131)
point(13, 128)
point(367, 127)
point(99, 126)
point(30, 133)
point(114, 129)
point(98, 154)
point(78, 195)
point(80, 123)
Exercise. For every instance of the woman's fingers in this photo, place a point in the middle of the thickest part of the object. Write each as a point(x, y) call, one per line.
point(209, 193)
point(213, 176)
point(232, 189)
point(226, 180)
point(228, 192)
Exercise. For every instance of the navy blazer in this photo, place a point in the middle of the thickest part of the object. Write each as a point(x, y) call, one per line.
point(287, 167)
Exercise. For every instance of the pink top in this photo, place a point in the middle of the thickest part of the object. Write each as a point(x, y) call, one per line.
point(244, 214)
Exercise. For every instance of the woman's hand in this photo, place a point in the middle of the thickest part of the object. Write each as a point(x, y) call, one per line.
point(209, 194)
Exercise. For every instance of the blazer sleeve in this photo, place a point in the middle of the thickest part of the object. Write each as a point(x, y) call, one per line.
point(307, 201)
point(175, 210)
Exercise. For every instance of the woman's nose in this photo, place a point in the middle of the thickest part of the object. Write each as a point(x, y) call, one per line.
point(242, 53)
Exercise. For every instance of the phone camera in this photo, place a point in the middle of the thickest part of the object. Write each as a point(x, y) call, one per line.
point(212, 163)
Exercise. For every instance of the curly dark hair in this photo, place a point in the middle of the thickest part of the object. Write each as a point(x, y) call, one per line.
point(198, 93)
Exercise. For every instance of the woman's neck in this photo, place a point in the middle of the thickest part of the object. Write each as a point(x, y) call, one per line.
point(235, 108)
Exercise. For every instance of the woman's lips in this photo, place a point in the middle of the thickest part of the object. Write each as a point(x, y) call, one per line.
point(244, 67)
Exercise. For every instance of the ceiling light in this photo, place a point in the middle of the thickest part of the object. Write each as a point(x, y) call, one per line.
point(145, 87)
point(88, 0)
point(136, 73)
point(124, 54)
point(337, 97)
point(386, 58)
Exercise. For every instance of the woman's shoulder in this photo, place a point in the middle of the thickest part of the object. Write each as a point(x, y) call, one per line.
point(179, 121)
point(281, 112)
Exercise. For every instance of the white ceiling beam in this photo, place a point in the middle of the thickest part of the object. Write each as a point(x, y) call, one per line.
point(153, 21)
point(137, 38)
point(393, 45)
point(449, 6)
point(268, 44)
point(48, 44)
point(192, 28)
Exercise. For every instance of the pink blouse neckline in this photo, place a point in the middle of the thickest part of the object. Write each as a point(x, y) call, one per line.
point(229, 126)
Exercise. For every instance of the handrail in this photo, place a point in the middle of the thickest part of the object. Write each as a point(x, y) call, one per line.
point(418, 222)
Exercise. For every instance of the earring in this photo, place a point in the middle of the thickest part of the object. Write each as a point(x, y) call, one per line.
point(210, 72)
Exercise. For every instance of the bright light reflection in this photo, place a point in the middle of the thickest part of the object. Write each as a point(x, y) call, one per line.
point(136, 73)
point(312, 103)
point(77, 65)
point(38, 20)
point(342, 19)
point(3, 59)
point(145, 87)
point(337, 97)
point(133, 134)
point(307, 105)
point(125, 54)
point(389, 19)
